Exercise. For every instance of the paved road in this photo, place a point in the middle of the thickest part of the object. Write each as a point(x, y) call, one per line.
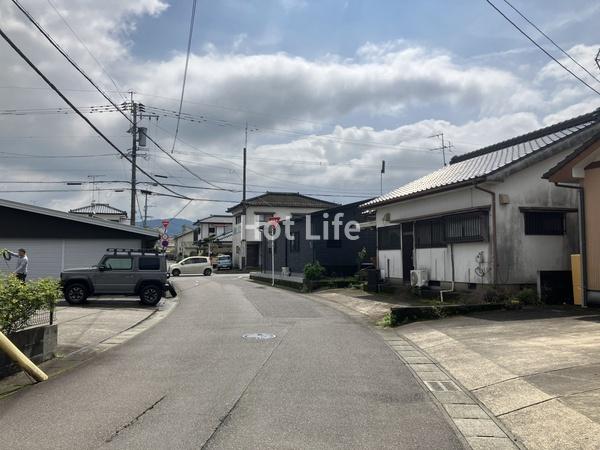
point(192, 382)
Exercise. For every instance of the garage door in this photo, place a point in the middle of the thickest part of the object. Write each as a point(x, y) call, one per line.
point(47, 257)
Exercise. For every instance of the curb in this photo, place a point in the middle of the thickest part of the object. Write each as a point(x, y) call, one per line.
point(80, 356)
point(475, 422)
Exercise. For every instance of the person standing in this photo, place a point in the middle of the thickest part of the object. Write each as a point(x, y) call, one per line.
point(22, 263)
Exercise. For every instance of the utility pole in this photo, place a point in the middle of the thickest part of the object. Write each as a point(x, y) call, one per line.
point(134, 136)
point(381, 176)
point(138, 139)
point(243, 221)
point(146, 193)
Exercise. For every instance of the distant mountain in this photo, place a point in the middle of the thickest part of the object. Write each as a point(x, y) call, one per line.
point(175, 227)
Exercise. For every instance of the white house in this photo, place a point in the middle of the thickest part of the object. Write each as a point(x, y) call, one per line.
point(184, 243)
point(219, 227)
point(213, 225)
point(487, 217)
point(56, 240)
point(246, 236)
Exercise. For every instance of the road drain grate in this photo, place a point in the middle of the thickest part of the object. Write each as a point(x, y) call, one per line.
point(258, 336)
point(441, 386)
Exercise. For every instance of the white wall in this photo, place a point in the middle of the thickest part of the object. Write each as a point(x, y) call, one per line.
point(391, 259)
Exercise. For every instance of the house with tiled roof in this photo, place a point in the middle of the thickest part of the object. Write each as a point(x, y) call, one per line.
point(101, 211)
point(487, 217)
point(250, 215)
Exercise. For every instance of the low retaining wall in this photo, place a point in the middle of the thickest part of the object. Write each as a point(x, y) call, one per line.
point(413, 313)
point(37, 343)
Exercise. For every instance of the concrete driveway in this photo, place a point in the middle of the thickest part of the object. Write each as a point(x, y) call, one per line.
point(537, 370)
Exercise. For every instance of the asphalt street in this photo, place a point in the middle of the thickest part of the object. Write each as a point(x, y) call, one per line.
point(192, 381)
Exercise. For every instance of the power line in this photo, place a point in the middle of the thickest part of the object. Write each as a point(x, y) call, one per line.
point(95, 85)
point(542, 48)
point(185, 70)
point(551, 40)
point(223, 122)
point(114, 83)
point(68, 102)
point(183, 186)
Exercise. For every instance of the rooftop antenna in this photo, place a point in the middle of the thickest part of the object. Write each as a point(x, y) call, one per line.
point(445, 146)
point(93, 183)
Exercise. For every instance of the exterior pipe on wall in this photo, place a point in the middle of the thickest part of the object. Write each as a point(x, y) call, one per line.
point(442, 292)
point(582, 239)
point(494, 237)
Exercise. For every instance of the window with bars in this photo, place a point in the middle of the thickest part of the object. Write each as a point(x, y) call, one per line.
point(466, 228)
point(548, 223)
point(388, 238)
point(430, 234)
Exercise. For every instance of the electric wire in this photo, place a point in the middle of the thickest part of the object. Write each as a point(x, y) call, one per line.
point(185, 71)
point(551, 40)
point(96, 86)
point(68, 102)
point(541, 48)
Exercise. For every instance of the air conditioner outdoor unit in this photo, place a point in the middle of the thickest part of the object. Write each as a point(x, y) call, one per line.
point(418, 278)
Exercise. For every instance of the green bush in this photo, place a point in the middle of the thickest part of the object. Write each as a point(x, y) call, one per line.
point(527, 296)
point(19, 301)
point(314, 271)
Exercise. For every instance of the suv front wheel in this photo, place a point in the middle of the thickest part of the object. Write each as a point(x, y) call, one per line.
point(150, 294)
point(207, 272)
point(76, 293)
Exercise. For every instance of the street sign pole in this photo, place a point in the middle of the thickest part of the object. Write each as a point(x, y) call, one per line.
point(273, 221)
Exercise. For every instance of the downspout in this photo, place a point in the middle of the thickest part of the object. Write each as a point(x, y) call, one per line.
point(494, 237)
point(442, 292)
point(582, 240)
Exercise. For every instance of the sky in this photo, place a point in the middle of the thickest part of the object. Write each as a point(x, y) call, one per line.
point(328, 89)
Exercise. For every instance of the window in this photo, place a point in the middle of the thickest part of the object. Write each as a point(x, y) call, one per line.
point(295, 243)
point(196, 261)
point(549, 223)
point(211, 230)
point(333, 243)
point(263, 217)
point(149, 263)
point(430, 234)
point(238, 219)
point(389, 238)
point(466, 228)
point(118, 263)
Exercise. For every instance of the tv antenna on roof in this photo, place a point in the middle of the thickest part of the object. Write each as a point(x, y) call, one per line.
point(445, 146)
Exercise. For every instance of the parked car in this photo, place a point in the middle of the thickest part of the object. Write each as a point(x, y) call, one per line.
point(192, 265)
point(119, 272)
point(224, 262)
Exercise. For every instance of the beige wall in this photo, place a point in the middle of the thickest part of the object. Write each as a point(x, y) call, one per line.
point(592, 219)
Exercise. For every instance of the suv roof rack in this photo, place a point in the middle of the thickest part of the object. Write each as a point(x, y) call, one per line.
point(129, 251)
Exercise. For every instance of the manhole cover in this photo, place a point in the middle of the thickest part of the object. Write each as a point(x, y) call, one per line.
point(258, 336)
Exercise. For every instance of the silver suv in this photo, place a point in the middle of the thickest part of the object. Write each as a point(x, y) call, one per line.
point(119, 272)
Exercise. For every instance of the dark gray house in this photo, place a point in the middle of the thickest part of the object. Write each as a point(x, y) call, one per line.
point(57, 240)
point(338, 256)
